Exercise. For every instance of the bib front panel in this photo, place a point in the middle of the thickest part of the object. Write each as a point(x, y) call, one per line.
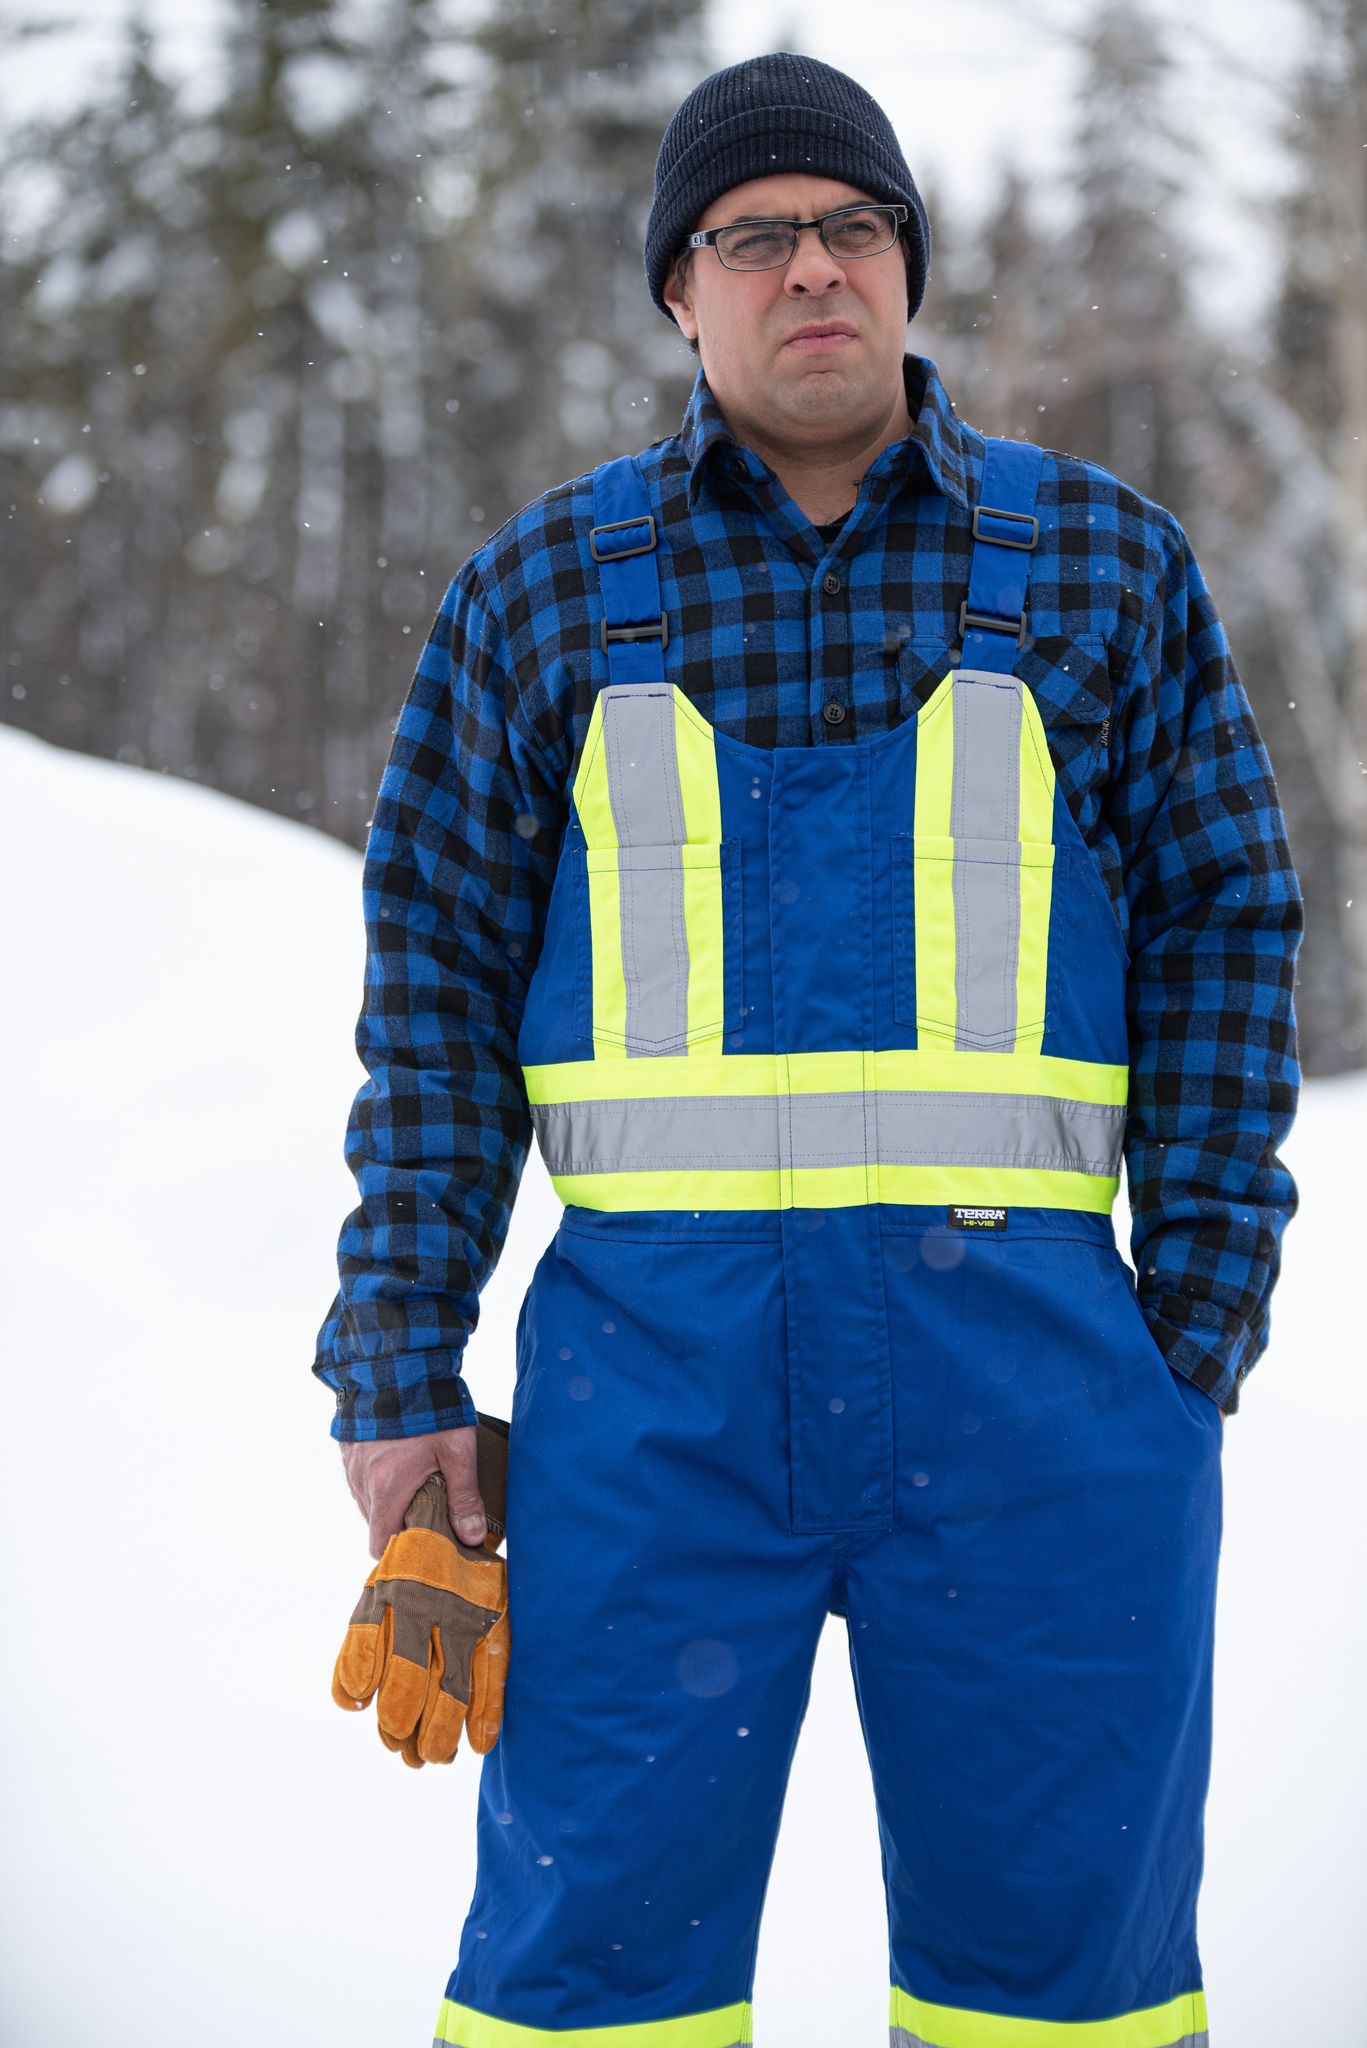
point(826, 1054)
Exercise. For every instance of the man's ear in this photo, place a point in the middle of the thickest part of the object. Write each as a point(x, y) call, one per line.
point(676, 300)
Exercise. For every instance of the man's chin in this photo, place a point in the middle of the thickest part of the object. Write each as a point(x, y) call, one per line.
point(807, 359)
point(824, 384)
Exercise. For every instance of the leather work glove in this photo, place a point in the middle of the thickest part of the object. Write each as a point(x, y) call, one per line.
point(430, 1632)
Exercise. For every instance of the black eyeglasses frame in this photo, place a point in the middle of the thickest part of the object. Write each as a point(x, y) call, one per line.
point(705, 238)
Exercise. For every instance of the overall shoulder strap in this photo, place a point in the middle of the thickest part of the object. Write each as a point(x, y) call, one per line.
point(634, 631)
point(1005, 532)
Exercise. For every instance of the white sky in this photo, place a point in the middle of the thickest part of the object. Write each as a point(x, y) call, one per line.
point(968, 87)
point(198, 1846)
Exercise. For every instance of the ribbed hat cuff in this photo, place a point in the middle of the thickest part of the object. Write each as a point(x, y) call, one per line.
point(715, 145)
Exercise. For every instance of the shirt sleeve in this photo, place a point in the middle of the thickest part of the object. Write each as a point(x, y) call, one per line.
point(459, 862)
point(1215, 920)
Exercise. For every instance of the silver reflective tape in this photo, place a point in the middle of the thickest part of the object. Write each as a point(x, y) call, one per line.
point(985, 807)
point(644, 792)
point(901, 2037)
point(1040, 1131)
point(642, 765)
point(672, 1135)
point(654, 948)
point(885, 1126)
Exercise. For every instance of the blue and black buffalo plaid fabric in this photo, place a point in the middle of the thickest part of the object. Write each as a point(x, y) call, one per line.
point(772, 622)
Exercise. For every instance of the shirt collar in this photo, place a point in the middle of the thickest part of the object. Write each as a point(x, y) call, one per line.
point(936, 441)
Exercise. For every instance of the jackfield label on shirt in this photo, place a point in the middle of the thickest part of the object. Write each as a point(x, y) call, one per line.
point(977, 1219)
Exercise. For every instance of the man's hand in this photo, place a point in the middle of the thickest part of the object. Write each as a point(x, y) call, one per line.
point(384, 1477)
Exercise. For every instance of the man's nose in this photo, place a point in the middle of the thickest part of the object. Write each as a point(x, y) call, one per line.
point(811, 264)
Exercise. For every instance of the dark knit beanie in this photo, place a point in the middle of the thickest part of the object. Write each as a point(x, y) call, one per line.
point(772, 114)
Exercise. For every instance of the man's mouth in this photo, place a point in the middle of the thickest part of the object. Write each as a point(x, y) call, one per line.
point(815, 340)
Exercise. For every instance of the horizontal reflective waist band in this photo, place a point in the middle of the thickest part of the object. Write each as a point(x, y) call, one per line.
point(830, 1130)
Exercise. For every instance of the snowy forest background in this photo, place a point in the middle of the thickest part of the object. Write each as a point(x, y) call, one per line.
point(300, 301)
point(270, 369)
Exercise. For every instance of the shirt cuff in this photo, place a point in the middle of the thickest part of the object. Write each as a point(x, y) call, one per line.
point(413, 1395)
point(1217, 1358)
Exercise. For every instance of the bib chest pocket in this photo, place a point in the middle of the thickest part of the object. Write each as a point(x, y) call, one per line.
point(973, 884)
point(971, 939)
point(659, 964)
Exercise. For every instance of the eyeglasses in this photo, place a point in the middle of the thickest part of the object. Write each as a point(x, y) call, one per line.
point(766, 244)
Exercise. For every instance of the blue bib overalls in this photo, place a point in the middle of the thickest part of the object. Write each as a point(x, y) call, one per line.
point(826, 1053)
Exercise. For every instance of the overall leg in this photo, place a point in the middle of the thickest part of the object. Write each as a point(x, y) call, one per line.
point(664, 1624)
point(1032, 1653)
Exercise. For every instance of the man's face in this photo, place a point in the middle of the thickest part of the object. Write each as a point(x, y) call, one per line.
point(745, 321)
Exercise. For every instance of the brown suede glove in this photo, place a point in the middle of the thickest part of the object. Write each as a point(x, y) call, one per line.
point(430, 1632)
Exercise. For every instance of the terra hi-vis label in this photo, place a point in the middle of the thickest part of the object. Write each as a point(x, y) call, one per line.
point(978, 1219)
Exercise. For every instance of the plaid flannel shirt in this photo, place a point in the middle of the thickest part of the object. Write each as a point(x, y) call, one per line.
point(770, 620)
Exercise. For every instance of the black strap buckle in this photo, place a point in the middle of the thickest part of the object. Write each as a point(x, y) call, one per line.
point(986, 619)
point(615, 526)
point(607, 632)
point(994, 512)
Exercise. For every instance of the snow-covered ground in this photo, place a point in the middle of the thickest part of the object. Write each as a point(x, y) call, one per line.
point(197, 1846)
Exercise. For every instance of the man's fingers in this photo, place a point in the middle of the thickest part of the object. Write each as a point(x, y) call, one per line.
point(385, 1476)
point(391, 1497)
point(464, 1503)
point(354, 1486)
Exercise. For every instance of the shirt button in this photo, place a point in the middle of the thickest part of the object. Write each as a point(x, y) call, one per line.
point(832, 712)
point(830, 583)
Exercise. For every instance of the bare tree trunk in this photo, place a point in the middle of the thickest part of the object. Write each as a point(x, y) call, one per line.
point(1346, 202)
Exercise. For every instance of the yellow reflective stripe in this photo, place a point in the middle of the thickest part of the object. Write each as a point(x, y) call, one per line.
point(1037, 875)
point(937, 995)
point(999, 1073)
point(1037, 776)
point(605, 1080)
point(706, 946)
point(1029, 1187)
point(872, 1185)
point(722, 1188)
point(1032, 959)
point(605, 927)
point(764, 1073)
point(840, 1187)
point(727, 2026)
point(1181, 2019)
point(933, 864)
point(698, 780)
point(935, 760)
point(593, 803)
point(590, 792)
point(697, 756)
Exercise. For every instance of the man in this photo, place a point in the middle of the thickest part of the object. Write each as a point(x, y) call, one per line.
point(840, 836)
